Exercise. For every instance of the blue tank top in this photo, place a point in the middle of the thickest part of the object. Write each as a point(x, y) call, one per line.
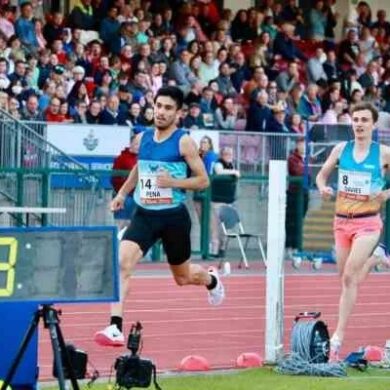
point(154, 157)
point(358, 181)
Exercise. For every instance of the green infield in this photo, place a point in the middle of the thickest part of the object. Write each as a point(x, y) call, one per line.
point(267, 379)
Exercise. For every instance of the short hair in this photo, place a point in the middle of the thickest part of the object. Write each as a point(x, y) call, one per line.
point(175, 93)
point(366, 106)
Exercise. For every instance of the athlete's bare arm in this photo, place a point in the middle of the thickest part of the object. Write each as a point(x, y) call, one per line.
point(324, 173)
point(199, 179)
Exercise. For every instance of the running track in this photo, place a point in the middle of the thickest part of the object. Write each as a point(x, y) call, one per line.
point(178, 320)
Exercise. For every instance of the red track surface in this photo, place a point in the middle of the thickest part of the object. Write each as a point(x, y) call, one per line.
point(178, 320)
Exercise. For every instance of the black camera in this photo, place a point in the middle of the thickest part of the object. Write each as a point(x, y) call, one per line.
point(131, 370)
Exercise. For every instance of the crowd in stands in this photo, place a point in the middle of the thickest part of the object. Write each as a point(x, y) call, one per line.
point(267, 68)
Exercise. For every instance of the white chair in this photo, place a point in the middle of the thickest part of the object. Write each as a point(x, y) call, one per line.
point(232, 227)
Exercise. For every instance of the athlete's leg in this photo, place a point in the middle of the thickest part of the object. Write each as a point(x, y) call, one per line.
point(188, 273)
point(136, 240)
point(176, 239)
point(362, 248)
point(129, 255)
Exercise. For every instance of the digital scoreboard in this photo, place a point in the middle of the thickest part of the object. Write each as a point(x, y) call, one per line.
point(58, 264)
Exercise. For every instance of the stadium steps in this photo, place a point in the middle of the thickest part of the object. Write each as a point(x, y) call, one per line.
point(318, 228)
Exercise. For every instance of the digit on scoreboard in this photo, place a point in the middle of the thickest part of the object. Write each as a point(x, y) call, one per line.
point(9, 265)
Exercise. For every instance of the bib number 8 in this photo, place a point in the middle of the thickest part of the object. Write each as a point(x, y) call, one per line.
point(8, 267)
point(345, 179)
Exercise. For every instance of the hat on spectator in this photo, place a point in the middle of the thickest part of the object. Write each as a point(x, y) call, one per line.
point(59, 69)
point(78, 69)
point(194, 104)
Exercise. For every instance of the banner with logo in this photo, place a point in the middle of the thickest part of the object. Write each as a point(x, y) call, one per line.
point(94, 146)
point(88, 140)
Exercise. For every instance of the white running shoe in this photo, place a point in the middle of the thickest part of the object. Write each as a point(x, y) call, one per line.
point(110, 337)
point(334, 350)
point(217, 294)
point(383, 256)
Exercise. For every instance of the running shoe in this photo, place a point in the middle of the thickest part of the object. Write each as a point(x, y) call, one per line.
point(384, 257)
point(217, 294)
point(110, 337)
point(334, 349)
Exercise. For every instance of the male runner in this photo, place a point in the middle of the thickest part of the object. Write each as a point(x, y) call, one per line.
point(165, 157)
point(357, 225)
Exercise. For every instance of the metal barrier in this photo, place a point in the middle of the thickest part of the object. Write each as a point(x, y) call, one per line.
point(21, 148)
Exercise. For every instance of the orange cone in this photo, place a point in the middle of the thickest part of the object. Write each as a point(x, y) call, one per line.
point(194, 363)
point(249, 360)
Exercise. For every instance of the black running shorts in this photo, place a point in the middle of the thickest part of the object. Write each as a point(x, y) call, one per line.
point(172, 226)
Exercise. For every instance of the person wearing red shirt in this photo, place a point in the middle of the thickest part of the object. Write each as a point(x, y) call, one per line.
point(125, 161)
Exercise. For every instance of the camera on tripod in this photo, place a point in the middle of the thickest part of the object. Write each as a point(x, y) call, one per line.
point(131, 370)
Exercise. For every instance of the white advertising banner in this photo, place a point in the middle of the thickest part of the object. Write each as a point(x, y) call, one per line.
point(88, 140)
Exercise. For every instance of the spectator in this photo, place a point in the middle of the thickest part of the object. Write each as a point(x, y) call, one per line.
point(25, 29)
point(207, 153)
point(208, 106)
point(259, 113)
point(315, 69)
point(82, 16)
point(223, 166)
point(226, 115)
point(13, 108)
point(134, 115)
point(368, 46)
point(285, 46)
point(110, 115)
point(309, 106)
point(19, 74)
point(241, 71)
point(370, 77)
point(240, 29)
point(224, 80)
point(147, 119)
point(350, 84)
point(348, 50)
point(31, 111)
point(317, 21)
point(52, 113)
point(93, 112)
point(6, 22)
point(194, 118)
point(208, 69)
point(4, 101)
point(381, 22)
point(296, 124)
point(263, 53)
point(79, 112)
point(181, 72)
point(297, 197)
point(109, 27)
point(53, 29)
point(331, 66)
point(288, 78)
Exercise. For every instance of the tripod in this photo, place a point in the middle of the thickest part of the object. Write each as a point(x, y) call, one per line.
point(51, 322)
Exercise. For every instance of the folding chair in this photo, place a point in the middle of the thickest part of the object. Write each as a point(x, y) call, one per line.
point(232, 228)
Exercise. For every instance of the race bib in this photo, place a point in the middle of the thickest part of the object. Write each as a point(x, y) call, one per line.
point(354, 185)
point(150, 193)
